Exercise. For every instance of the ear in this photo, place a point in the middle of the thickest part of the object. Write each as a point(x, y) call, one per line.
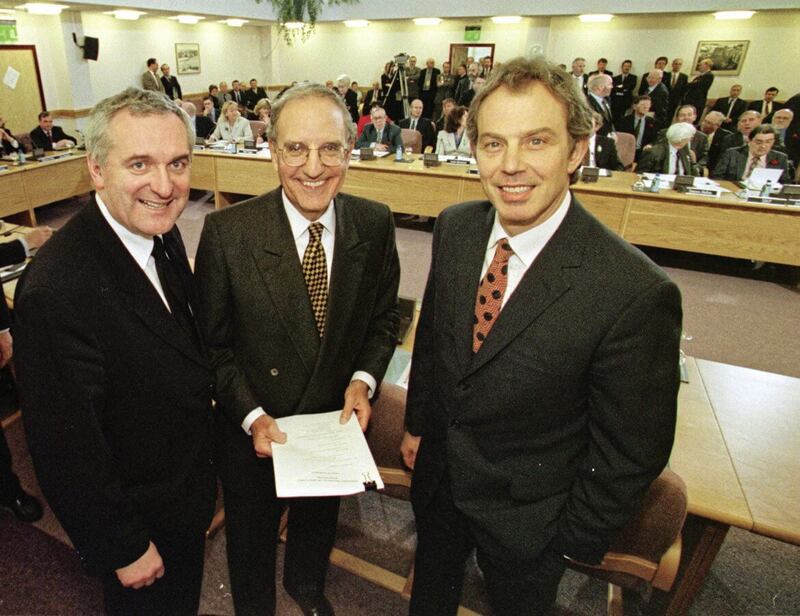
point(96, 173)
point(578, 153)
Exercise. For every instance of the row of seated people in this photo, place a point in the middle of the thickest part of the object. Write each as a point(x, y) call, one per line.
point(46, 136)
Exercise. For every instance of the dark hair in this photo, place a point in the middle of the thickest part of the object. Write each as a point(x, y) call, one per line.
point(772, 89)
point(627, 62)
point(602, 60)
point(659, 58)
point(763, 129)
point(151, 61)
point(453, 119)
point(44, 114)
point(639, 99)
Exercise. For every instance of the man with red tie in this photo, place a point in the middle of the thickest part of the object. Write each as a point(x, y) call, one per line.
point(543, 386)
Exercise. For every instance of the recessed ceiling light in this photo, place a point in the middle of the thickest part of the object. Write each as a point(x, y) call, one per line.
point(188, 19)
point(294, 25)
point(427, 21)
point(356, 23)
point(38, 8)
point(234, 23)
point(596, 18)
point(733, 14)
point(507, 19)
point(125, 14)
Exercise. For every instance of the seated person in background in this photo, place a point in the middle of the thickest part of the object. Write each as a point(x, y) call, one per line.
point(223, 95)
point(747, 122)
point(203, 126)
point(350, 98)
point(639, 124)
point(245, 112)
point(254, 94)
point(49, 137)
point(379, 134)
point(453, 139)
point(731, 106)
point(467, 97)
point(602, 150)
point(714, 134)
point(782, 121)
point(737, 164)
point(699, 143)
point(673, 156)
point(209, 110)
point(213, 91)
point(447, 106)
point(232, 126)
point(263, 110)
point(767, 106)
point(9, 142)
point(415, 121)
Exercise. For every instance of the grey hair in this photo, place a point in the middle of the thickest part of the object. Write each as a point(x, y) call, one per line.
point(594, 80)
point(715, 116)
point(190, 108)
point(344, 80)
point(138, 103)
point(311, 90)
point(680, 131)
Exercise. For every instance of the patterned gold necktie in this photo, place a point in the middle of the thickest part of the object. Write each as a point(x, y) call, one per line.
point(315, 271)
point(490, 294)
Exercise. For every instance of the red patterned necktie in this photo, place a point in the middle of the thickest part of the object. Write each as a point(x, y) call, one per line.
point(490, 294)
point(315, 271)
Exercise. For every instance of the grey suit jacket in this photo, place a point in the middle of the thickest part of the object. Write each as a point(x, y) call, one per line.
point(733, 163)
point(656, 160)
point(151, 82)
point(551, 432)
point(391, 136)
point(259, 325)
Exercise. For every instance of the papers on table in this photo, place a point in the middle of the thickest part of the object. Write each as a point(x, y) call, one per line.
point(321, 457)
point(457, 160)
point(762, 175)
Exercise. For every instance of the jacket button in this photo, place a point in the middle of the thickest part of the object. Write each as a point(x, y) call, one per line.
point(274, 372)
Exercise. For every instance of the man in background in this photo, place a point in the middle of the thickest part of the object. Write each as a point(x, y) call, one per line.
point(171, 86)
point(696, 92)
point(150, 80)
point(715, 135)
point(639, 124)
point(428, 87)
point(766, 106)
point(737, 164)
point(599, 89)
point(417, 121)
point(50, 137)
point(731, 106)
point(379, 134)
point(624, 83)
point(676, 84)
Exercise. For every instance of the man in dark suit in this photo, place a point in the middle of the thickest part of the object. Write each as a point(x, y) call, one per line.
point(349, 96)
point(578, 75)
point(379, 134)
point(699, 143)
point(737, 164)
point(543, 385)
point(696, 92)
point(676, 84)
point(428, 86)
point(416, 121)
point(660, 64)
point(171, 86)
point(659, 97)
point(639, 124)
point(26, 507)
point(623, 84)
point(599, 89)
point(237, 94)
point(9, 143)
point(254, 94)
point(715, 135)
point(782, 121)
point(731, 106)
point(673, 155)
point(767, 106)
point(120, 436)
point(602, 150)
point(747, 122)
point(49, 137)
point(602, 64)
point(284, 341)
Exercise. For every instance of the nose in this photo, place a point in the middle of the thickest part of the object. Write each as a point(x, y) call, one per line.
point(511, 159)
point(161, 182)
point(313, 167)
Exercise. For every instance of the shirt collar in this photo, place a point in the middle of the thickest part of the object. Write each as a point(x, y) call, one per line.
point(530, 243)
point(140, 247)
point(300, 223)
point(599, 99)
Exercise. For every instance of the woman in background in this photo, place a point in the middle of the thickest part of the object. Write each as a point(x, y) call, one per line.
point(453, 139)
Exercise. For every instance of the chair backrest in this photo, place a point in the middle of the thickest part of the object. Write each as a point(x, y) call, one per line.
point(411, 139)
point(258, 127)
point(626, 149)
point(385, 432)
point(24, 140)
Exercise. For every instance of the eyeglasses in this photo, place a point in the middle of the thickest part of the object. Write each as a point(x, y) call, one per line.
point(330, 154)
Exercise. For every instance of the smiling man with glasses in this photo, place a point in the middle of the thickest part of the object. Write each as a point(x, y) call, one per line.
point(299, 310)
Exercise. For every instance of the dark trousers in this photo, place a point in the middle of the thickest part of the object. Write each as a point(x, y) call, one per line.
point(175, 594)
point(9, 483)
point(251, 530)
point(444, 541)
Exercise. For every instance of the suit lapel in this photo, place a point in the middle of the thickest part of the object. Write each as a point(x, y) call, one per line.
point(136, 290)
point(546, 280)
point(276, 257)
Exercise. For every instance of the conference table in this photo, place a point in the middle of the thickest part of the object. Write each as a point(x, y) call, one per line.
point(724, 226)
point(36, 183)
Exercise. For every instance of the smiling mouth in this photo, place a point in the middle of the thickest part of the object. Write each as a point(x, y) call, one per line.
point(516, 189)
point(153, 205)
point(315, 184)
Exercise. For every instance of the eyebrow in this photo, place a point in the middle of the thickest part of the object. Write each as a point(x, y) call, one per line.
point(536, 131)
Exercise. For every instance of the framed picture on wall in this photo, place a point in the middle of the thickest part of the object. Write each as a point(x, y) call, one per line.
point(727, 56)
point(187, 58)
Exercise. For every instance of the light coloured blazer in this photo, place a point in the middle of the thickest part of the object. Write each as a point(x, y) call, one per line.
point(446, 144)
point(239, 130)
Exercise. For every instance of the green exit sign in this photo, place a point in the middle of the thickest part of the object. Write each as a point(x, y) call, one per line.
point(8, 31)
point(472, 34)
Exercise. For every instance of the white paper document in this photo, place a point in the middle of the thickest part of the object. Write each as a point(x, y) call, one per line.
point(321, 457)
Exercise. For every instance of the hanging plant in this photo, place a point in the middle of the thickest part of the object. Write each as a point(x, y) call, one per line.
point(297, 18)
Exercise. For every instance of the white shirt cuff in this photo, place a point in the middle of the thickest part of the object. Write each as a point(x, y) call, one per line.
point(251, 417)
point(25, 246)
point(360, 375)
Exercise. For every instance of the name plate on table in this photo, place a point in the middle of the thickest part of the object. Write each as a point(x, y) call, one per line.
point(44, 159)
point(701, 192)
point(793, 201)
point(3, 167)
point(431, 160)
point(366, 154)
point(589, 175)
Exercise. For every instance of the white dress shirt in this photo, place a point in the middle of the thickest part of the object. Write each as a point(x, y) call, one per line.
point(526, 246)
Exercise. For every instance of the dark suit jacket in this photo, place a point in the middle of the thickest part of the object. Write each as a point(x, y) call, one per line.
point(203, 126)
point(608, 124)
point(722, 105)
point(609, 73)
point(605, 154)
point(656, 160)
point(622, 94)
point(676, 93)
point(239, 96)
point(698, 145)
point(759, 105)
point(116, 396)
point(351, 102)
point(40, 140)
point(659, 98)
point(7, 147)
point(427, 96)
point(733, 163)
point(552, 431)
point(10, 254)
point(424, 126)
point(251, 98)
point(260, 328)
point(391, 136)
point(372, 96)
point(696, 92)
point(171, 87)
point(628, 125)
point(715, 149)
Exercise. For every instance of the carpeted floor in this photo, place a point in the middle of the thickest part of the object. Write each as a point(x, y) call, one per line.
point(732, 314)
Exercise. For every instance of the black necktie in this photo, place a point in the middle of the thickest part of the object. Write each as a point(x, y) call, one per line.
point(174, 287)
